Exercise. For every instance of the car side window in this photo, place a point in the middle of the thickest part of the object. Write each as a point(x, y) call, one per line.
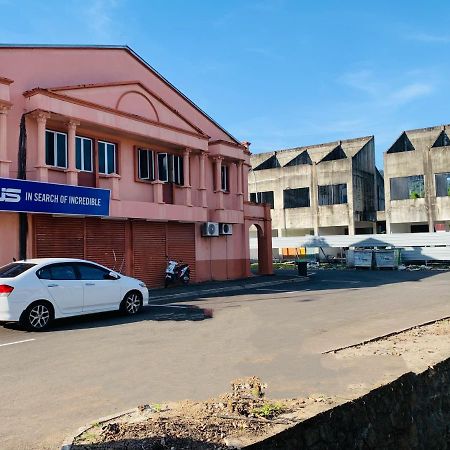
point(57, 272)
point(91, 272)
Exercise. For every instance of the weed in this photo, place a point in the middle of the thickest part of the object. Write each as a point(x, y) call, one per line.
point(269, 410)
point(157, 407)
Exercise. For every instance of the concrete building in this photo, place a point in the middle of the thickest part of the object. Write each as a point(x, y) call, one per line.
point(102, 158)
point(417, 181)
point(326, 189)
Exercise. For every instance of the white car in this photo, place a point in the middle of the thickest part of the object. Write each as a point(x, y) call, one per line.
point(36, 291)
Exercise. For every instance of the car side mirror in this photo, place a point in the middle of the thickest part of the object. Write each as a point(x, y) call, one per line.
point(111, 276)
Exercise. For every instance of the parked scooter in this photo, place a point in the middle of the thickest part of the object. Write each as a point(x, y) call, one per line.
point(177, 271)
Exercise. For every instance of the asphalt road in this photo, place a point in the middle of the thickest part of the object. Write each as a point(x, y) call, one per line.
point(85, 368)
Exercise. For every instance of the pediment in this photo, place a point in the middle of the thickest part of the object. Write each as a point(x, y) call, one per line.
point(131, 98)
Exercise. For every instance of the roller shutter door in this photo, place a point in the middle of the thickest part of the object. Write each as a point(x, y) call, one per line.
point(149, 252)
point(58, 237)
point(105, 243)
point(181, 244)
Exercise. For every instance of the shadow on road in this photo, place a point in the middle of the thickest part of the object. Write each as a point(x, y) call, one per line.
point(108, 319)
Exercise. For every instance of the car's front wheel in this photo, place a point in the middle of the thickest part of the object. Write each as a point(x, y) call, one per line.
point(132, 303)
point(38, 316)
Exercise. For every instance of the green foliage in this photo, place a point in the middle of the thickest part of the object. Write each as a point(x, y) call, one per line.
point(269, 410)
point(157, 407)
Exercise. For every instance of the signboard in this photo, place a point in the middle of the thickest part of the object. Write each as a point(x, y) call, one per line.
point(50, 198)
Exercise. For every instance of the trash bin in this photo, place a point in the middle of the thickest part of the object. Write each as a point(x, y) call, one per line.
point(302, 267)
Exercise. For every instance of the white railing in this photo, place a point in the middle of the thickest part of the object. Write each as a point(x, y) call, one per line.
point(416, 246)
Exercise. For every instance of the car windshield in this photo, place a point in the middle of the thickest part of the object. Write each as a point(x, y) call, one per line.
point(14, 269)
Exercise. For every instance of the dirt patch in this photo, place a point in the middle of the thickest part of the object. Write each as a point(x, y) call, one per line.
point(232, 420)
point(420, 347)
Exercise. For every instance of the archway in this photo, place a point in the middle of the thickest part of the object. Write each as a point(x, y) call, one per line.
point(260, 249)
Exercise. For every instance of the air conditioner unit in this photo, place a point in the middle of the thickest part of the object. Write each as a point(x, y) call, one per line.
point(226, 228)
point(210, 229)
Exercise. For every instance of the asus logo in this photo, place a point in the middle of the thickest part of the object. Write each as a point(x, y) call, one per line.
point(10, 195)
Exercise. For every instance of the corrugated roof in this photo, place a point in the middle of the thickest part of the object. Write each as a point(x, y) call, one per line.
point(316, 152)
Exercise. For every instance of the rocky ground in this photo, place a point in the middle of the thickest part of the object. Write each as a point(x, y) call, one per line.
point(245, 415)
point(232, 420)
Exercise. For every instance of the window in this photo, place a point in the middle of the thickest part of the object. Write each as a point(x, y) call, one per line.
point(403, 188)
point(263, 197)
point(224, 179)
point(443, 184)
point(57, 272)
point(106, 158)
point(91, 272)
point(296, 198)
point(83, 154)
point(163, 167)
point(14, 269)
point(176, 169)
point(146, 164)
point(56, 149)
point(333, 194)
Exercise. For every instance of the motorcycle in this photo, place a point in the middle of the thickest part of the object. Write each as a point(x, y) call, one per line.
point(177, 271)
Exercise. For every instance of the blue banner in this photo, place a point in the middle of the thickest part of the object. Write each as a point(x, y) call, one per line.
point(50, 198)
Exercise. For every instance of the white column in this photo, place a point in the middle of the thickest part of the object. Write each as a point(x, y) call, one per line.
point(202, 164)
point(218, 180)
point(42, 169)
point(72, 172)
point(186, 174)
point(240, 192)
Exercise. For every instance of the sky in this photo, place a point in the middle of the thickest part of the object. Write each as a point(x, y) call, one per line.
point(277, 73)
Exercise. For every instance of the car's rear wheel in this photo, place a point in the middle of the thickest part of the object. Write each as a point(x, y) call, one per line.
point(38, 316)
point(132, 303)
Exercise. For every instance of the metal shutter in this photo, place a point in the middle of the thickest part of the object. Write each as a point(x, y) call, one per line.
point(58, 237)
point(181, 244)
point(105, 242)
point(149, 252)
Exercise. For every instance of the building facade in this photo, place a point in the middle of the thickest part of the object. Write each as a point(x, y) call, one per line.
point(100, 119)
point(324, 189)
point(417, 181)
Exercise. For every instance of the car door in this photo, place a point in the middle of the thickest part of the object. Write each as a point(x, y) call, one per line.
point(64, 287)
point(101, 292)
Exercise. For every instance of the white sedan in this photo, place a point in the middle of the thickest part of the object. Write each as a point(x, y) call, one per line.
point(36, 291)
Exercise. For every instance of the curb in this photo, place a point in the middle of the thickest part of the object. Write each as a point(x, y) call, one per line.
point(226, 289)
point(68, 441)
point(385, 336)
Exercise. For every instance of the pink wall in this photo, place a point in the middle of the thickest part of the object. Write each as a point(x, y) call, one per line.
point(9, 247)
point(132, 107)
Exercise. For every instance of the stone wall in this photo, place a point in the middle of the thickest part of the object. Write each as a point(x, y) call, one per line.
point(412, 412)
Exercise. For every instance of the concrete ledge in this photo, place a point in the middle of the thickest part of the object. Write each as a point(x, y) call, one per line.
point(410, 412)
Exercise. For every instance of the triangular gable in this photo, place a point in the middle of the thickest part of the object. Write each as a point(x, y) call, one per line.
point(442, 141)
point(271, 163)
point(129, 97)
point(402, 144)
point(335, 154)
point(301, 159)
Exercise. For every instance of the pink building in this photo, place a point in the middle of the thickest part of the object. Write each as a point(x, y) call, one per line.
point(102, 118)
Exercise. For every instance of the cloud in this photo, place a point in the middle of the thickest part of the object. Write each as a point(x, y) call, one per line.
point(429, 38)
point(100, 18)
point(410, 92)
point(393, 91)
